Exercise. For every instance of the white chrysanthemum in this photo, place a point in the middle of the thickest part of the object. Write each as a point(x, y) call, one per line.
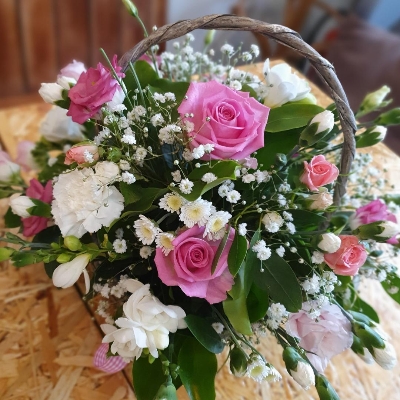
point(272, 221)
point(317, 257)
point(196, 212)
point(242, 229)
point(119, 246)
point(186, 186)
point(145, 230)
point(233, 196)
point(84, 204)
point(164, 242)
point(172, 202)
point(146, 323)
point(215, 227)
point(209, 177)
point(145, 252)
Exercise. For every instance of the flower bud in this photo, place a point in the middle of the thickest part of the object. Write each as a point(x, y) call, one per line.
point(51, 92)
point(167, 391)
point(20, 205)
point(238, 362)
point(132, 9)
point(298, 368)
point(385, 357)
point(371, 136)
point(329, 242)
point(369, 337)
point(373, 100)
point(361, 351)
point(391, 117)
point(72, 243)
point(320, 201)
point(6, 253)
point(63, 258)
point(380, 231)
point(324, 389)
point(81, 154)
point(318, 127)
point(65, 275)
point(208, 39)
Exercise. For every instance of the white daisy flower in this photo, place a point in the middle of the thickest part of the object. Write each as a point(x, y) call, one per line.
point(164, 242)
point(145, 230)
point(172, 202)
point(215, 227)
point(196, 212)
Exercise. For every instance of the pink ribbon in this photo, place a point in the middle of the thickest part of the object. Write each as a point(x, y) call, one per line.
point(111, 365)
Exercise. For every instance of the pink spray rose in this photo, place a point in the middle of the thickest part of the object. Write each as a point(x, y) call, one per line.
point(94, 88)
point(372, 212)
point(236, 121)
point(319, 172)
point(73, 70)
point(189, 265)
point(86, 153)
point(349, 258)
point(326, 336)
point(33, 225)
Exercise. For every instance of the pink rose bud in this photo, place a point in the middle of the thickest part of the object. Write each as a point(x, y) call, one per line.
point(319, 172)
point(110, 365)
point(82, 154)
point(349, 258)
point(231, 120)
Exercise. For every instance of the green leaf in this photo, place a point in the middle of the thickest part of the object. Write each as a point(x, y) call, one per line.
point(257, 303)
point(281, 282)
point(393, 281)
point(5, 253)
point(25, 257)
point(391, 117)
point(304, 218)
point(147, 378)
point(275, 143)
point(237, 253)
point(40, 209)
point(4, 193)
point(12, 220)
point(131, 193)
point(145, 73)
point(197, 370)
point(250, 90)
point(205, 333)
point(291, 116)
point(361, 306)
point(236, 311)
point(148, 196)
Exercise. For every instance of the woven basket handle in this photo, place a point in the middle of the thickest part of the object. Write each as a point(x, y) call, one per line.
point(281, 35)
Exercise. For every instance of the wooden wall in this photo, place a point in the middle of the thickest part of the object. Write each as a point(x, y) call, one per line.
point(39, 37)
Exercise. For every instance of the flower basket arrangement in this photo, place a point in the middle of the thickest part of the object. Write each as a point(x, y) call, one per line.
point(206, 207)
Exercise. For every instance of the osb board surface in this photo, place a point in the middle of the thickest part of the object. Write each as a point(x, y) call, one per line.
point(47, 337)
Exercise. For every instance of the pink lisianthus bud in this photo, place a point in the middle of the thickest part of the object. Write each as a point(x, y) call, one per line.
point(319, 172)
point(82, 154)
point(349, 258)
point(189, 265)
point(73, 70)
point(94, 88)
point(24, 155)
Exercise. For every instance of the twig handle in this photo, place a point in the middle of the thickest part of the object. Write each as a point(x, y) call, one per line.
point(281, 35)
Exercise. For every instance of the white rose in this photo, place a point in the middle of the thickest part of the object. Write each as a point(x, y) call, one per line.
point(20, 204)
point(329, 242)
point(82, 205)
point(51, 92)
point(7, 168)
point(320, 201)
point(304, 375)
point(146, 323)
point(325, 121)
point(58, 126)
point(283, 85)
point(106, 172)
point(65, 275)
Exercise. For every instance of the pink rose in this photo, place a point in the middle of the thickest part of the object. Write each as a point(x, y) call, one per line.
point(94, 88)
point(372, 212)
point(24, 155)
point(319, 172)
point(326, 336)
point(189, 265)
point(33, 225)
point(82, 154)
point(73, 70)
point(349, 258)
point(236, 120)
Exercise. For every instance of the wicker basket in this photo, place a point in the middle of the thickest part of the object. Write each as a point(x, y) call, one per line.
point(283, 36)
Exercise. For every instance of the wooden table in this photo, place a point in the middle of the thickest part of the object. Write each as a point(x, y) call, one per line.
point(48, 337)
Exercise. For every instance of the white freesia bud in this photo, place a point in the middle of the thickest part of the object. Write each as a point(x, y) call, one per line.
point(20, 204)
point(325, 121)
point(304, 375)
point(390, 229)
point(381, 130)
point(385, 357)
point(329, 242)
point(65, 275)
point(51, 92)
point(320, 201)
